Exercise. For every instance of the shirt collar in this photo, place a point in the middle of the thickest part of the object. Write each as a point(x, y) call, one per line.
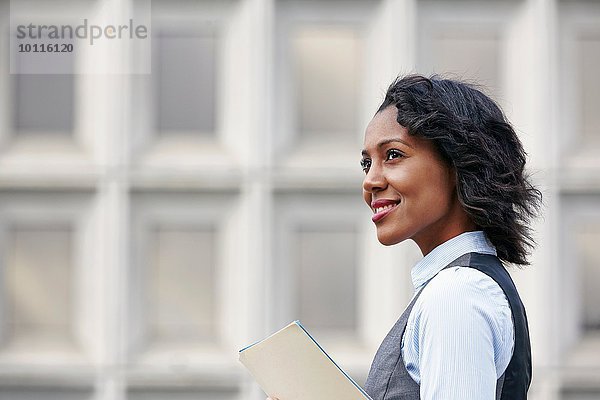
point(445, 253)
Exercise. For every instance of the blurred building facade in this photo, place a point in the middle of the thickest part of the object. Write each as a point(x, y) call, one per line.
point(152, 225)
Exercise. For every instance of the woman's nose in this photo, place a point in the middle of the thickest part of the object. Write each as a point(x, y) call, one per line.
point(374, 180)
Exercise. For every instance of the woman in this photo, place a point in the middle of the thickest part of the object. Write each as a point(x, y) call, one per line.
point(445, 169)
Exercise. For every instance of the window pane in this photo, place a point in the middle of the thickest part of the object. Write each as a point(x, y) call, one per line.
point(39, 292)
point(182, 282)
point(473, 56)
point(180, 394)
point(327, 66)
point(43, 103)
point(327, 279)
point(44, 393)
point(186, 76)
point(589, 51)
point(590, 277)
point(582, 394)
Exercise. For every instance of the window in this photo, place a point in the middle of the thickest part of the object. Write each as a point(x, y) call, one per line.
point(327, 61)
point(589, 84)
point(185, 81)
point(39, 287)
point(326, 278)
point(588, 239)
point(466, 55)
point(43, 103)
point(181, 285)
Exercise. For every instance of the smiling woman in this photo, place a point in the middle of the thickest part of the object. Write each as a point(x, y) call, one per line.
point(444, 168)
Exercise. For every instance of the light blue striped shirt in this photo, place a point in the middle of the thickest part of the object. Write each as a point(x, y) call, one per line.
point(460, 337)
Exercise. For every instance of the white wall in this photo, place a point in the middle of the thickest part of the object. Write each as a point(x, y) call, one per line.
point(171, 219)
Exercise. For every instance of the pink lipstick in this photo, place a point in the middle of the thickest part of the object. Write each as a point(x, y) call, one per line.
point(383, 207)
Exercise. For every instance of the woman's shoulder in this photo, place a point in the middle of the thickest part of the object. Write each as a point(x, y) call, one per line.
point(461, 303)
point(454, 280)
point(461, 291)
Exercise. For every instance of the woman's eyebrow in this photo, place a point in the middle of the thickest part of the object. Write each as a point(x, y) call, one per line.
point(391, 140)
point(386, 141)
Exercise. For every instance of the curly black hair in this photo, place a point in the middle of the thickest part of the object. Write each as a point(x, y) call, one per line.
point(472, 134)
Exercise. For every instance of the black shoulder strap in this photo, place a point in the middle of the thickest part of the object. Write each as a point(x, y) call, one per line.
point(517, 376)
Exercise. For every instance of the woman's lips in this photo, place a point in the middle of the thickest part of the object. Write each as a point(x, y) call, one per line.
point(387, 207)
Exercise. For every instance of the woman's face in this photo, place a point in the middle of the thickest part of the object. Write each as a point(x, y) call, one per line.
point(409, 188)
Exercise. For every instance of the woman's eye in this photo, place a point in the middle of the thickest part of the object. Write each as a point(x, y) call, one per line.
point(365, 163)
point(393, 153)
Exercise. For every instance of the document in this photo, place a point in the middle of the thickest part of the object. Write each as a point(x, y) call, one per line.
point(291, 365)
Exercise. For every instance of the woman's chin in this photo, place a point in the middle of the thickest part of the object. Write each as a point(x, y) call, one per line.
point(388, 240)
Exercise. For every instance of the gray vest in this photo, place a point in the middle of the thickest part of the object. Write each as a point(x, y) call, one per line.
point(388, 378)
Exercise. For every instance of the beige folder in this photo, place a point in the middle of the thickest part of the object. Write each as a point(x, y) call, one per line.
point(290, 365)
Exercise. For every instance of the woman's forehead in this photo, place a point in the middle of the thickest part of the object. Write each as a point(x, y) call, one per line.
point(383, 127)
